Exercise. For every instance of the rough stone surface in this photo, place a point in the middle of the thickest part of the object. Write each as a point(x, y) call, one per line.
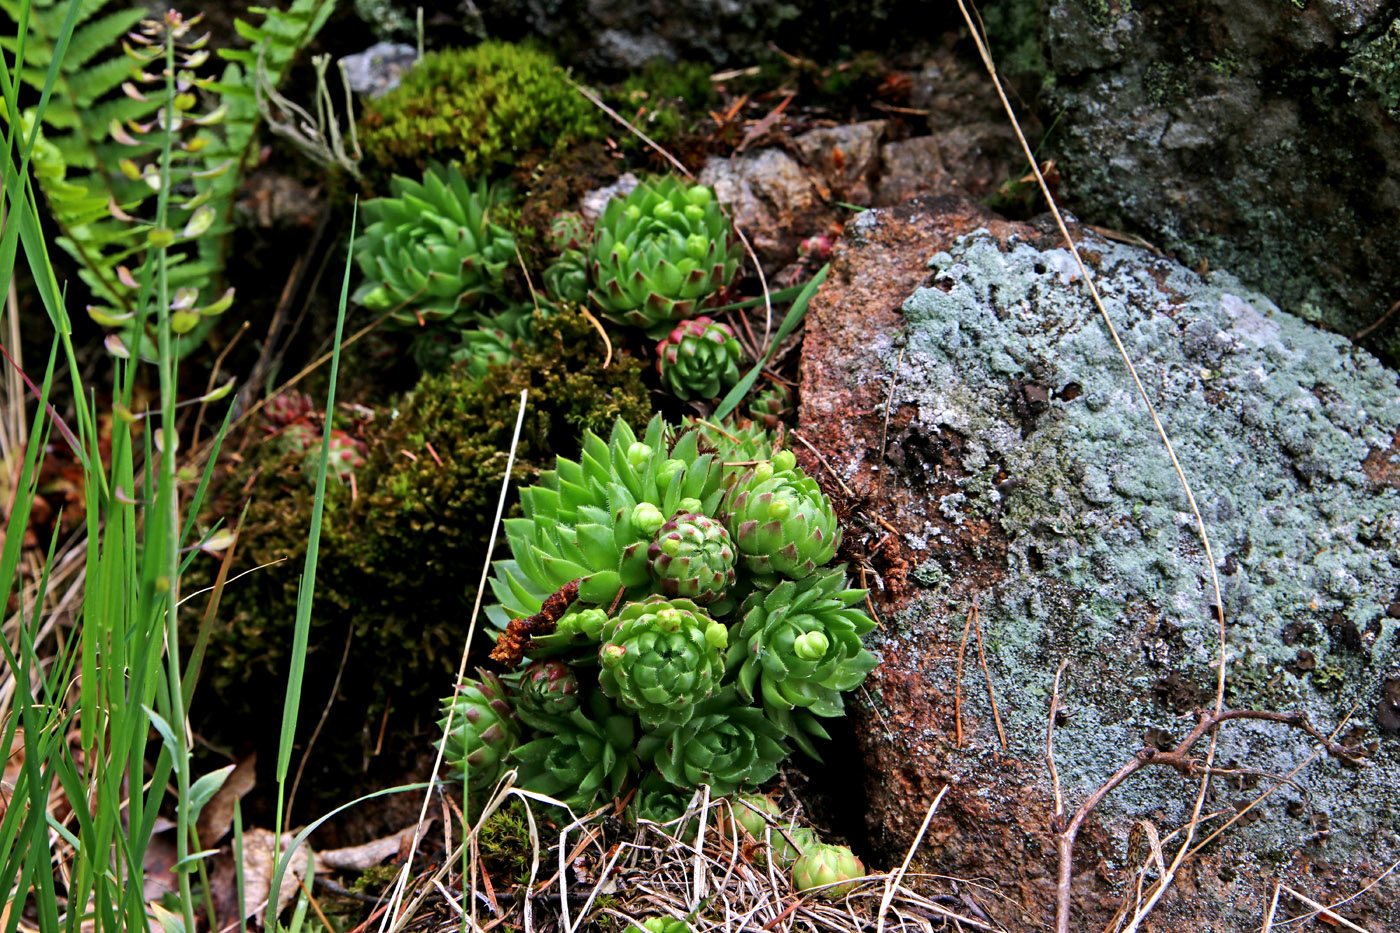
point(1020, 467)
point(1259, 137)
point(781, 197)
point(625, 33)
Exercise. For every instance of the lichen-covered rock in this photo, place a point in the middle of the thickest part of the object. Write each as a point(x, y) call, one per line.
point(1262, 138)
point(1019, 466)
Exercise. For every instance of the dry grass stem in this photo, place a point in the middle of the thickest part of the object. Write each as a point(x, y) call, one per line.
point(957, 680)
point(893, 882)
point(991, 691)
point(402, 880)
point(889, 401)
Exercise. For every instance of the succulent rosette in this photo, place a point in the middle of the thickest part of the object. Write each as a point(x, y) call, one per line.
point(659, 253)
point(288, 407)
point(346, 455)
point(780, 520)
point(822, 865)
point(430, 251)
point(660, 658)
point(547, 691)
point(568, 230)
point(589, 756)
point(720, 653)
point(692, 558)
point(797, 647)
point(297, 438)
point(566, 278)
point(752, 811)
point(771, 405)
point(593, 519)
point(790, 842)
point(659, 800)
point(725, 744)
point(483, 730)
point(665, 925)
point(699, 358)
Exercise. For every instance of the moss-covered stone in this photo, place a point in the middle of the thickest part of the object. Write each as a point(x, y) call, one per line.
point(402, 551)
point(482, 108)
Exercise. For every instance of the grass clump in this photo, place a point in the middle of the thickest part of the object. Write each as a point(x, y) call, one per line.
point(482, 108)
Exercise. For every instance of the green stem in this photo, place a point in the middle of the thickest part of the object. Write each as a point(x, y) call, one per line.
point(170, 521)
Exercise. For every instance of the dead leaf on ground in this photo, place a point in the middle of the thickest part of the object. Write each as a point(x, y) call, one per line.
point(365, 857)
point(259, 860)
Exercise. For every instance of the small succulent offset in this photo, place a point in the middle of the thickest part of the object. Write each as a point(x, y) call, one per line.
point(431, 252)
point(659, 254)
point(699, 358)
point(679, 616)
point(822, 865)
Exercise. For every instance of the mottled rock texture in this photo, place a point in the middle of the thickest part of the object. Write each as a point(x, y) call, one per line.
point(620, 34)
point(1015, 464)
point(1257, 137)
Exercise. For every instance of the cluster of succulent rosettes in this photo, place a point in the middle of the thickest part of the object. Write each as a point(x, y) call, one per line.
point(798, 849)
point(430, 252)
point(780, 520)
point(626, 569)
point(659, 254)
point(699, 358)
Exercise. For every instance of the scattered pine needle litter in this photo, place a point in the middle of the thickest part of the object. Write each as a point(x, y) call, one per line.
point(613, 875)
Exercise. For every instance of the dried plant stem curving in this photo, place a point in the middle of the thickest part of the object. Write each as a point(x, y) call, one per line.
point(1181, 760)
point(401, 882)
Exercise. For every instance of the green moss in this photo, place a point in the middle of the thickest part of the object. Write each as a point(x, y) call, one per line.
point(1374, 66)
point(504, 841)
point(400, 559)
point(483, 108)
point(1015, 30)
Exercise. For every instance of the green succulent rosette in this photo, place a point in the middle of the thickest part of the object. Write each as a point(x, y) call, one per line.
point(344, 457)
point(568, 230)
point(790, 842)
point(822, 865)
point(593, 519)
point(547, 691)
point(566, 278)
point(658, 254)
point(797, 648)
point(770, 405)
point(660, 658)
point(735, 443)
point(430, 252)
point(483, 730)
point(665, 925)
point(659, 800)
point(725, 744)
point(692, 558)
point(751, 812)
point(700, 358)
point(780, 520)
point(588, 757)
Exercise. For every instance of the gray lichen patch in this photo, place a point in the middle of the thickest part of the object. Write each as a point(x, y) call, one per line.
point(1271, 421)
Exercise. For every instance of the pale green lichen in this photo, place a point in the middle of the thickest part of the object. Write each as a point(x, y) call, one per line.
point(1271, 420)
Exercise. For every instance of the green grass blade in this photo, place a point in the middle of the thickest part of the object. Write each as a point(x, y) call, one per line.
point(793, 317)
